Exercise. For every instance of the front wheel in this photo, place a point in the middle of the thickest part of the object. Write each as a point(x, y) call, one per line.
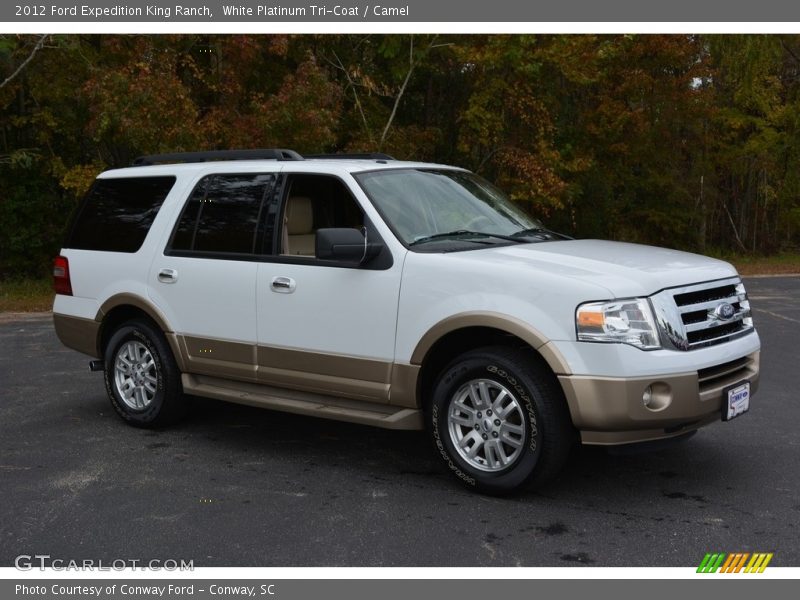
point(499, 420)
point(141, 376)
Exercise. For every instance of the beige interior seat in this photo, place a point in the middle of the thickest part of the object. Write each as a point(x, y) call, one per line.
point(298, 227)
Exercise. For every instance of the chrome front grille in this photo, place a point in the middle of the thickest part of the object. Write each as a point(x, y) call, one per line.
point(703, 314)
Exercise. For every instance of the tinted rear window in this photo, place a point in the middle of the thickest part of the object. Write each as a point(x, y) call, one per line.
point(116, 214)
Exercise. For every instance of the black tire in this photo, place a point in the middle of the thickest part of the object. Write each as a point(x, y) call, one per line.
point(539, 450)
point(166, 404)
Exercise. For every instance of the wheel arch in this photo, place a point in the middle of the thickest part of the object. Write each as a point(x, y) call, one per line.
point(125, 307)
point(468, 331)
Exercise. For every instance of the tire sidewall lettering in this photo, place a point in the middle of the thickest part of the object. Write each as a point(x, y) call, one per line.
point(524, 396)
point(443, 451)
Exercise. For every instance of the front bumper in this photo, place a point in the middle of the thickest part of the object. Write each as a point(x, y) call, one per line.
point(610, 410)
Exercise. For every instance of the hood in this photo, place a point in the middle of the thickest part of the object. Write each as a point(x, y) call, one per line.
point(623, 269)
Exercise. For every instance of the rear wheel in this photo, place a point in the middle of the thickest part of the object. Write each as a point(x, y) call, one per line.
point(499, 421)
point(141, 376)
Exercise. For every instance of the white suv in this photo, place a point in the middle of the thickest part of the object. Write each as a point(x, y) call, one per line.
point(396, 294)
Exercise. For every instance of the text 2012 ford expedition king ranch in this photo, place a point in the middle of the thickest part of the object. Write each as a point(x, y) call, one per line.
point(396, 294)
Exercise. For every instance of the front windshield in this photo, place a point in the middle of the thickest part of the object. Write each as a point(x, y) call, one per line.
point(421, 204)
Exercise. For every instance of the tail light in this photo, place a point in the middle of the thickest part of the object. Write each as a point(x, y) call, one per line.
point(61, 281)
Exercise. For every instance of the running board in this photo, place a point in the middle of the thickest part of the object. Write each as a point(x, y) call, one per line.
point(303, 403)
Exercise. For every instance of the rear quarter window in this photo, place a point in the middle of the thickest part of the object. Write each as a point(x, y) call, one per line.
point(116, 214)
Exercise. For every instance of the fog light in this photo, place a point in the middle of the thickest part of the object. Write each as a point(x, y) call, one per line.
point(657, 396)
point(647, 396)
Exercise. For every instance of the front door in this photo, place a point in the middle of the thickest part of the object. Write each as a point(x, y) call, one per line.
point(322, 326)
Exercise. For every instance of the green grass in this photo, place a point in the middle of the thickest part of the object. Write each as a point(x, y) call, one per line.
point(26, 295)
point(784, 263)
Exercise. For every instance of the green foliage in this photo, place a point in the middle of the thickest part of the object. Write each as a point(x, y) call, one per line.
point(680, 140)
point(303, 113)
point(32, 218)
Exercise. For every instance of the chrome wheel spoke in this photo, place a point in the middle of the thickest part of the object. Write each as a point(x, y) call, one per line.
point(500, 399)
point(473, 450)
point(506, 407)
point(472, 436)
point(483, 390)
point(492, 459)
point(128, 389)
point(511, 429)
point(514, 442)
point(138, 397)
point(134, 401)
point(475, 396)
point(462, 420)
point(501, 453)
point(463, 414)
point(496, 456)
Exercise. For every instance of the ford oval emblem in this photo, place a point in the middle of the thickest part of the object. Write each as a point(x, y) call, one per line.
point(724, 312)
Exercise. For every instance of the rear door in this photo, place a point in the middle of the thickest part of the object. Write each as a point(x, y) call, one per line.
point(205, 280)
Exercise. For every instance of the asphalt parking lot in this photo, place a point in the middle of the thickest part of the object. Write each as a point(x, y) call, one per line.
point(238, 486)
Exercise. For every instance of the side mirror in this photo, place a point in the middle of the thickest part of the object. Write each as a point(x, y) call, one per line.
point(346, 245)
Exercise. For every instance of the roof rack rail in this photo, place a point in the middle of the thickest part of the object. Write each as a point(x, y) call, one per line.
point(353, 156)
point(211, 155)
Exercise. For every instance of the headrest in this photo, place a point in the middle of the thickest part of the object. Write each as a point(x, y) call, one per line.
point(300, 216)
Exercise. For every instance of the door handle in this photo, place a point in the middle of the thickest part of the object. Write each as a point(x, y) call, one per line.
point(283, 285)
point(168, 276)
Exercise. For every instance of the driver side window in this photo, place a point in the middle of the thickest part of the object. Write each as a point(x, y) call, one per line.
point(315, 202)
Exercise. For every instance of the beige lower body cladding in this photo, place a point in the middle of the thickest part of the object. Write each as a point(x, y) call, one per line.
point(606, 410)
point(610, 410)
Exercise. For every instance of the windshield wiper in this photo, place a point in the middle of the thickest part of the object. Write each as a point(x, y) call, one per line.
point(540, 232)
point(463, 232)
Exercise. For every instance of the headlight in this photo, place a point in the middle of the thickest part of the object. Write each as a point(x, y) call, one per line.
point(621, 321)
